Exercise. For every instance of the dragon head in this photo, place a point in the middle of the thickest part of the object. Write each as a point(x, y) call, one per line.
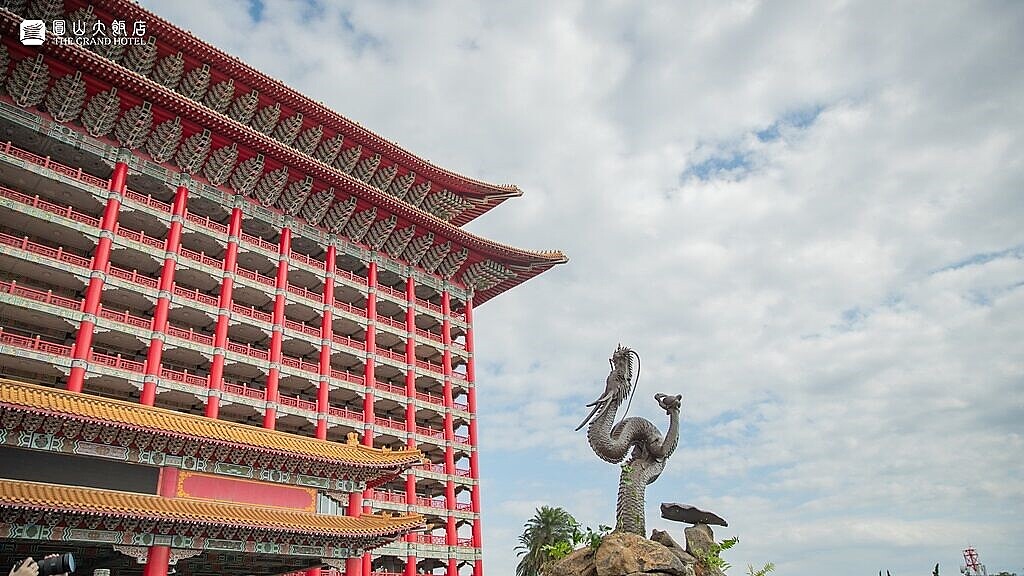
point(618, 386)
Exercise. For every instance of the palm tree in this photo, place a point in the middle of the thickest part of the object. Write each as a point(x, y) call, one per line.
point(548, 526)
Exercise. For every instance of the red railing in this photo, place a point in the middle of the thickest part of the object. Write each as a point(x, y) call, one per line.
point(347, 377)
point(428, 305)
point(248, 350)
point(196, 295)
point(39, 296)
point(53, 253)
point(430, 366)
point(351, 276)
point(424, 431)
point(297, 403)
point(139, 237)
point(133, 276)
point(389, 387)
point(300, 291)
point(430, 398)
point(183, 377)
point(190, 335)
point(202, 258)
point(392, 355)
point(307, 260)
point(123, 317)
point(346, 341)
point(345, 413)
point(431, 502)
point(394, 497)
point(117, 362)
point(350, 308)
point(300, 364)
point(255, 276)
point(252, 313)
point(389, 423)
point(391, 292)
point(391, 322)
point(36, 202)
point(35, 343)
point(302, 327)
point(429, 335)
point(59, 255)
point(206, 222)
point(243, 390)
point(73, 173)
point(147, 201)
point(256, 241)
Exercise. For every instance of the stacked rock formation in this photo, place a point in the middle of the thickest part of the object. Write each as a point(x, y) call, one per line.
point(626, 554)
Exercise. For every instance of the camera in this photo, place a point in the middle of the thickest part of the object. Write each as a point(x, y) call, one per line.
point(57, 564)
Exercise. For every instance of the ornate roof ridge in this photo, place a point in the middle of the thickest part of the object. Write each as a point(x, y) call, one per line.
point(300, 102)
point(376, 197)
point(43, 496)
point(98, 408)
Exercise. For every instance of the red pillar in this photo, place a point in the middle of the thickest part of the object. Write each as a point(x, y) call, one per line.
point(410, 409)
point(220, 335)
point(451, 535)
point(280, 289)
point(100, 262)
point(158, 558)
point(371, 350)
point(172, 247)
point(326, 339)
point(474, 466)
point(157, 561)
point(370, 379)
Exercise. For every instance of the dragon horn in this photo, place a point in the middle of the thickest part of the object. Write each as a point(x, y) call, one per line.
point(597, 406)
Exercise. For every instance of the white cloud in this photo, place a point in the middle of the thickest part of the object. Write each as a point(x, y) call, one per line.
point(839, 295)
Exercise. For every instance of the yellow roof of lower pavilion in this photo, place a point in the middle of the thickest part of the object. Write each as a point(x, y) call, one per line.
point(73, 499)
point(130, 414)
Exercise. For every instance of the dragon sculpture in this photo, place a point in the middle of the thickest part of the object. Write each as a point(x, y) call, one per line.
point(634, 437)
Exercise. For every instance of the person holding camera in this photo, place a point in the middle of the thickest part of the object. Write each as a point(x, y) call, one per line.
point(52, 565)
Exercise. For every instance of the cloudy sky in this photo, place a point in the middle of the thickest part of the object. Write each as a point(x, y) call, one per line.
point(808, 218)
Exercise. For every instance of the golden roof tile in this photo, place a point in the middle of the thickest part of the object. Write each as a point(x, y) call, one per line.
point(73, 499)
point(133, 415)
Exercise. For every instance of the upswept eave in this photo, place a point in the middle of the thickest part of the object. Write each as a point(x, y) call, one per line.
point(175, 103)
point(18, 494)
point(288, 96)
point(120, 413)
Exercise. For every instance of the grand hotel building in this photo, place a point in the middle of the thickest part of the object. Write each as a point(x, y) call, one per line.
point(236, 328)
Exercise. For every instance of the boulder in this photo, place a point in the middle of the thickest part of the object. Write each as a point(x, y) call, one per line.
point(666, 540)
point(699, 539)
point(624, 554)
point(690, 514)
point(577, 563)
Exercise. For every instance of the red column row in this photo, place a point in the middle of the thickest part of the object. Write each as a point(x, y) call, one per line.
point(474, 465)
point(280, 290)
point(220, 336)
point(326, 338)
point(172, 248)
point(410, 409)
point(100, 261)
